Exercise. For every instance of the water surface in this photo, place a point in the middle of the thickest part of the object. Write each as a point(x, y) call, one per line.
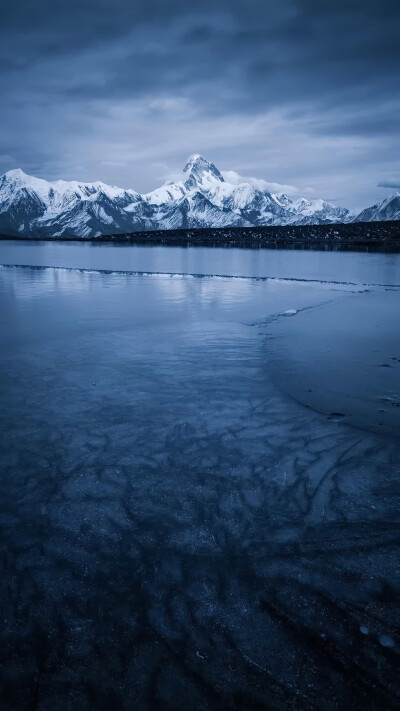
point(358, 267)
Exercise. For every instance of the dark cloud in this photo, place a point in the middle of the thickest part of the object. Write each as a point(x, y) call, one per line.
point(162, 78)
point(393, 184)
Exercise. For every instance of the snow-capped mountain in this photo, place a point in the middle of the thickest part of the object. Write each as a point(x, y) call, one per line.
point(387, 209)
point(35, 208)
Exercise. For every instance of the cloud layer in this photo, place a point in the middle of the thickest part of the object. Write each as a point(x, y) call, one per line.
point(301, 92)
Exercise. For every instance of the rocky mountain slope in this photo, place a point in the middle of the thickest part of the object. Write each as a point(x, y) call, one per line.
point(35, 208)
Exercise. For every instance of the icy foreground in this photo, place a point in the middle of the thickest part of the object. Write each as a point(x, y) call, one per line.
point(36, 208)
point(175, 532)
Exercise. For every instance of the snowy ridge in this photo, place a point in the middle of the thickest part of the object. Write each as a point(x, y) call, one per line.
point(37, 208)
point(387, 209)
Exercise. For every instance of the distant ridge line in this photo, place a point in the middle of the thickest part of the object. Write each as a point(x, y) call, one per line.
point(203, 199)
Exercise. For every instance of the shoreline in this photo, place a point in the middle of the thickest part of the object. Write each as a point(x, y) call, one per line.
point(359, 236)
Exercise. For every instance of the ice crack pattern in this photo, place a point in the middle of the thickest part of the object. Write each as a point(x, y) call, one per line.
point(176, 532)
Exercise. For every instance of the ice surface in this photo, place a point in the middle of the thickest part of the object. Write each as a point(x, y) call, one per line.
point(176, 532)
point(342, 357)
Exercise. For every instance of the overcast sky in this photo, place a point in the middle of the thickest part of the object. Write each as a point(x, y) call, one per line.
point(298, 92)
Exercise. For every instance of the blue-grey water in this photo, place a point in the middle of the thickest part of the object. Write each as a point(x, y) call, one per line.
point(199, 492)
point(356, 267)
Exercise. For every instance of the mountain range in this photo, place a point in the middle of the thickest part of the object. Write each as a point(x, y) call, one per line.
point(35, 208)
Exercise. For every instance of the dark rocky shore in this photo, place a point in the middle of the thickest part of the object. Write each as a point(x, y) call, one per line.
point(355, 235)
point(363, 234)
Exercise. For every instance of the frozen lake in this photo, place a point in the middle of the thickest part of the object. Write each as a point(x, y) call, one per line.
point(200, 487)
point(364, 267)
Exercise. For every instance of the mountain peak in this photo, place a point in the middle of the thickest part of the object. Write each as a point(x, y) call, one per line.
point(200, 170)
point(16, 174)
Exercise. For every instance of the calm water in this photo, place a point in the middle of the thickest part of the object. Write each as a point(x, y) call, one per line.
point(325, 266)
point(200, 491)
